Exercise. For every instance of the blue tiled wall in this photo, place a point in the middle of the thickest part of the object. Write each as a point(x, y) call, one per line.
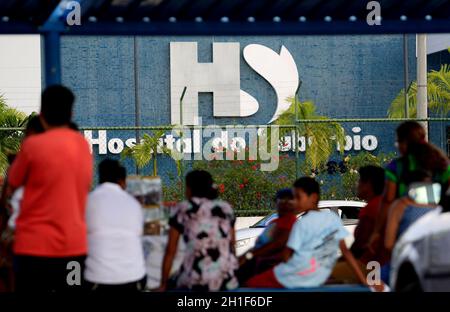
point(346, 76)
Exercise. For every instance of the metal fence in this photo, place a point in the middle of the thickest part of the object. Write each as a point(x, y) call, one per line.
point(292, 166)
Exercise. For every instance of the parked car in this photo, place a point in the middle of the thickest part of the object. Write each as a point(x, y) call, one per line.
point(347, 210)
point(421, 258)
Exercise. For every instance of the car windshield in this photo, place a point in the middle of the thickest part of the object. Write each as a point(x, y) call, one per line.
point(265, 221)
point(271, 217)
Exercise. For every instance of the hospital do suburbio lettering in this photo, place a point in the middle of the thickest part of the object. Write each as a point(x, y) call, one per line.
point(193, 142)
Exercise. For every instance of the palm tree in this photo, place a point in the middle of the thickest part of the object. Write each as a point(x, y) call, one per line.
point(438, 89)
point(143, 152)
point(323, 138)
point(9, 139)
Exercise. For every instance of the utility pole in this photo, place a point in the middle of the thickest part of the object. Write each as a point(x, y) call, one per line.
point(422, 101)
point(137, 104)
point(182, 141)
point(406, 73)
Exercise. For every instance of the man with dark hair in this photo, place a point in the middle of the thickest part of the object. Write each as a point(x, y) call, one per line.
point(115, 222)
point(55, 168)
point(312, 248)
point(110, 170)
point(56, 106)
point(309, 187)
point(370, 189)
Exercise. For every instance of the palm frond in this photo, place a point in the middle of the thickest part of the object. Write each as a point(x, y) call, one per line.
point(397, 108)
point(147, 150)
point(322, 138)
point(9, 140)
point(439, 90)
point(438, 93)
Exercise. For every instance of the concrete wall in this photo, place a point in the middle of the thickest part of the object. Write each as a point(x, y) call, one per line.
point(20, 71)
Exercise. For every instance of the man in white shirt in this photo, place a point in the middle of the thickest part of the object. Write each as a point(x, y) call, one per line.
point(115, 260)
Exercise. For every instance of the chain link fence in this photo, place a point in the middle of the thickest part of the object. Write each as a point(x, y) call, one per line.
point(238, 169)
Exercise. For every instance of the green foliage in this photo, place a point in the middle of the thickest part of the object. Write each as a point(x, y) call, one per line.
point(9, 140)
point(323, 137)
point(147, 150)
point(438, 89)
point(245, 186)
point(251, 191)
point(343, 184)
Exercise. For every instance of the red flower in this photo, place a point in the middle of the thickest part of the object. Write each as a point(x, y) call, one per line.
point(258, 195)
point(241, 186)
point(221, 188)
point(255, 167)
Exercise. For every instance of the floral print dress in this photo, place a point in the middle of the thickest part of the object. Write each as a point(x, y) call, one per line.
point(209, 263)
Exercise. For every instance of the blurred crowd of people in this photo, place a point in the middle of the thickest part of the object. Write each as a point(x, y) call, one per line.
point(53, 223)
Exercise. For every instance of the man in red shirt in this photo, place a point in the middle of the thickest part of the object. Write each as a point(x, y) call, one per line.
point(55, 169)
point(370, 189)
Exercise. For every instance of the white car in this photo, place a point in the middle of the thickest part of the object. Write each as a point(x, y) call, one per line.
point(421, 258)
point(348, 210)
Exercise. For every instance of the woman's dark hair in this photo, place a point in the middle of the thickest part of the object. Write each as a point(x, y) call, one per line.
point(428, 157)
point(410, 132)
point(419, 175)
point(11, 158)
point(34, 125)
point(445, 201)
point(200, 182)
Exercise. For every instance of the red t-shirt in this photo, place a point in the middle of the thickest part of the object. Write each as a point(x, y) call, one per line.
point(56, 170)
point(286, 222)
point(363, 231)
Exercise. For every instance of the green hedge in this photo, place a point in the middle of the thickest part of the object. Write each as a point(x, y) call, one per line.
point(251, 191)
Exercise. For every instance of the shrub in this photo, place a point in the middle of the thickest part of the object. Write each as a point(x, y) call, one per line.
point(251, 191)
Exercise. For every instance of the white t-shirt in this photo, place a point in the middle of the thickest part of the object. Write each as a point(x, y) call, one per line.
point(115, 223)
point(314, 238)
point(15, 204)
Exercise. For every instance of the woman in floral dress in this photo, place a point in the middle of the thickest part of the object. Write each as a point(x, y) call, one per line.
point(207, 226)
